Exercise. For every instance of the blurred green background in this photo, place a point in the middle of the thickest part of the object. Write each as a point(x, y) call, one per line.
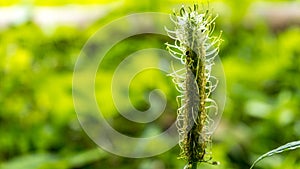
point(38, 125)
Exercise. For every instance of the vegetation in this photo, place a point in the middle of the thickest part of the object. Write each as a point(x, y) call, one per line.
point(197, 50)
point(38, 124)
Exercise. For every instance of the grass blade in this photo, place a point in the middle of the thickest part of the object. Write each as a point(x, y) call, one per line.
point(287, 147)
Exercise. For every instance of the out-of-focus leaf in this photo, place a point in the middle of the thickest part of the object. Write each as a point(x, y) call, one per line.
point(289, 146)
point(42, 161)
point(86, 157)
point(28, 162)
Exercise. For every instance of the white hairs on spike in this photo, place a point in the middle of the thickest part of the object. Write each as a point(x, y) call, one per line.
point(196, 49)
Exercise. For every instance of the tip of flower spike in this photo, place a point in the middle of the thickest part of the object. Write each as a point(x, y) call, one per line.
point(182, 11)
point(195, 7)
point(215, 163)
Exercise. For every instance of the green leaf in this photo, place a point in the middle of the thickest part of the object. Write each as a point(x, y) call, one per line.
point(289, 146)
point(45, 161)
point(32, 161)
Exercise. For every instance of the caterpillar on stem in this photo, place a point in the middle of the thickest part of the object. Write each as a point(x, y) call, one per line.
point(196, 48)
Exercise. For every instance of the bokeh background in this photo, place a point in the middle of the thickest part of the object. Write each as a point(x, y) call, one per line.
point(41, 40)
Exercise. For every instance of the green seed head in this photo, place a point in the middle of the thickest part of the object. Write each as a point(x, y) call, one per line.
point(196, 49)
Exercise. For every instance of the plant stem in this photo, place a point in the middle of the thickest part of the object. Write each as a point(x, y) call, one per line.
point(194, 165)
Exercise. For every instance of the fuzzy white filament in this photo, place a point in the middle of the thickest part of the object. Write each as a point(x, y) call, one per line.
point(196, 49)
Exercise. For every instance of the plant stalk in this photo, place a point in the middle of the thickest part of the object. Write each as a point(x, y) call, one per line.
point(194, 165)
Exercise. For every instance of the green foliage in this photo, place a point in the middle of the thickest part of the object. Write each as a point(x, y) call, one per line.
point(287, 147)
point(39, 128)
